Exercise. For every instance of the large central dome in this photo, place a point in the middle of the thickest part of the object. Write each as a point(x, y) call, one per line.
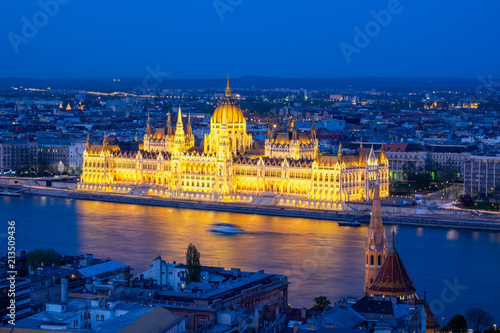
point(233, 110)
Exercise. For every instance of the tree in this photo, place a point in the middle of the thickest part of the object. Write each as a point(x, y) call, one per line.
point(490, 330)
point(321, 303)
point(410, 171)
point(479, 319)
point(466, 200)
point(193, 264)
point(424, 179)
point(457, 324)
point(43, 257)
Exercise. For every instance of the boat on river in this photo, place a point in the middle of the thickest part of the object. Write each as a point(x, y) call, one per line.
point(353, 223)
point(225, 228)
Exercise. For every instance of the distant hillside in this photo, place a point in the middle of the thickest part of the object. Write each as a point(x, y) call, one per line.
point(249, 82)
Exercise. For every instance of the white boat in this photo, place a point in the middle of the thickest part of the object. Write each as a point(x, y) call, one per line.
point(353, 223)
point(225, 228)
point(10, 194)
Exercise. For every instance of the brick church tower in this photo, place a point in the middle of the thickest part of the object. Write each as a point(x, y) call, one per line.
point(376, 243)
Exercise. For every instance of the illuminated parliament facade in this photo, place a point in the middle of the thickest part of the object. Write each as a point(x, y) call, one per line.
point(289, 172)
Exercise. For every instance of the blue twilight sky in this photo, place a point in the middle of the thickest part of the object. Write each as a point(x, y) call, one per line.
point(206, 38)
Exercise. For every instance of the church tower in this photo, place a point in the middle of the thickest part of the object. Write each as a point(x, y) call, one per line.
point(88, 145)
point(189, 134)
point(179, 136)
point(393, 279)
point(269, 140)
point(376, 242)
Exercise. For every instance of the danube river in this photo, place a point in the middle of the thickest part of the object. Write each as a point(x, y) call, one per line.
point(458, 268)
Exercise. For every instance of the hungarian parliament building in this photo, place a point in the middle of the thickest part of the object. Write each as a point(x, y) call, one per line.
point(289, 172)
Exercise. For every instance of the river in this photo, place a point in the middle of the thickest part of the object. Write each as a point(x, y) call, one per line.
point(458, 268)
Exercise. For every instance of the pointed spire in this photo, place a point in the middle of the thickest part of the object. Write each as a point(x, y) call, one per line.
point(88, 145)
point(179, 115)
point(169, 126)
point(294, 131)
point(179, 127)
point(383, 156)
point(361, 143)
point(136, 138)
point(313, 130)
point(228, 88)
point(104, 143)
point(339, 154)
point(375, 238)
point(148, 127)
point(189, 128)
point(269, 131)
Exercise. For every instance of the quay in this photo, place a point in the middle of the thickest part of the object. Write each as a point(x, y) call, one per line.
point(402, 216)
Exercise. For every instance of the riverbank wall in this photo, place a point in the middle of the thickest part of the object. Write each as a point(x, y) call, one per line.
point(392, 215)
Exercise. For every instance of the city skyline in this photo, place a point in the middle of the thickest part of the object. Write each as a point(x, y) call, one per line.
point(342, 158)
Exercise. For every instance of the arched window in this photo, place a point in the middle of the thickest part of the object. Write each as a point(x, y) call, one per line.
point(102, 318)
point(367, 260)
point(98, 317)
point(379, 260)
point(372, 261)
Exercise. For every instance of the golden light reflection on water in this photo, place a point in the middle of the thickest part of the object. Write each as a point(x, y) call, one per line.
point(420, 232)
point(452, 235)
point(269, 242)
point(319, 257)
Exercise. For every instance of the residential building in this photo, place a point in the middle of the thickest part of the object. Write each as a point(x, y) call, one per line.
point(18, 155)
point(482, 176)
point(53, 151)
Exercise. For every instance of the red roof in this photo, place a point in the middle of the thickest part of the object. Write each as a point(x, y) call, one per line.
point(393, 279)
point(396, 147)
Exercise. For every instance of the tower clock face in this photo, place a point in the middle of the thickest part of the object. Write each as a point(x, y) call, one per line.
point(372, 247)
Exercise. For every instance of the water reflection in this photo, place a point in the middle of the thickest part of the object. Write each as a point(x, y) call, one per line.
point(452, 235)
point(274, 243)
point(319, 257)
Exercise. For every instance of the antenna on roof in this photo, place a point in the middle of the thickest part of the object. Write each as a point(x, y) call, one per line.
point(393, 233)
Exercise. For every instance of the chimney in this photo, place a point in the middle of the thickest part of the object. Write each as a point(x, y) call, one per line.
point(235, 271)
point(64, 290)
point(303, 313)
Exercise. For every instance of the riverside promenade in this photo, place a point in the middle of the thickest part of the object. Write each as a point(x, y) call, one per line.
point(391, 217)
